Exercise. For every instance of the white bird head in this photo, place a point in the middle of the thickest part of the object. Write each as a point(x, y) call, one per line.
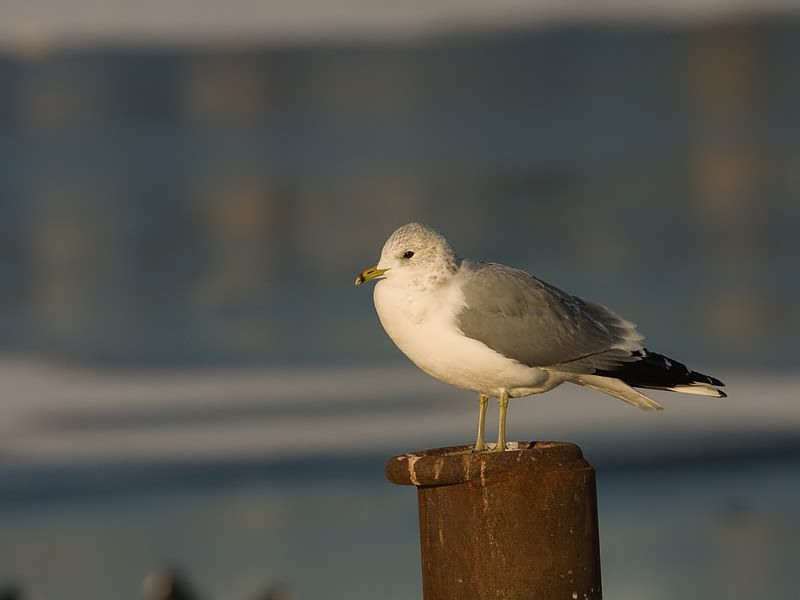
point(413, 252)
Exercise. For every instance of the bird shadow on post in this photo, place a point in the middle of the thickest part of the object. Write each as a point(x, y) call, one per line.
point(514, 525)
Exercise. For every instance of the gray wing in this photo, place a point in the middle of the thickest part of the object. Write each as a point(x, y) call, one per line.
point(537, 324)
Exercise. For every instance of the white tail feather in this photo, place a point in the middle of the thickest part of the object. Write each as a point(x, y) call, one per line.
point(618, 389)
point(701, 389)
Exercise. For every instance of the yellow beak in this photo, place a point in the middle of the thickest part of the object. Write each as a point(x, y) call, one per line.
point(370, 274)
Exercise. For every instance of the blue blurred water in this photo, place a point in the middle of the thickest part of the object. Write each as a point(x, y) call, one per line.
point(245, 477)
point(335, 528)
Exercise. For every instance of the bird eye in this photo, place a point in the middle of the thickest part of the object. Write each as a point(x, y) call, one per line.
point(408, 254)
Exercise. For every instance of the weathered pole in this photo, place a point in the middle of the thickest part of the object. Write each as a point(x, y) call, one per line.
point(514, 525)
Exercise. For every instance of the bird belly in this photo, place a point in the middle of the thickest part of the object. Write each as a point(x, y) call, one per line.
point(434, 343)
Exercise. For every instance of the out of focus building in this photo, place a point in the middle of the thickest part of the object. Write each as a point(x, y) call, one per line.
point(209, 199)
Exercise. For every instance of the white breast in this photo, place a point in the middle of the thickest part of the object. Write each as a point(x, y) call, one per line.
point(422, 322)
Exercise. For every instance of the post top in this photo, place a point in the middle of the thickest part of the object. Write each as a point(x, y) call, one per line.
point(458, 464)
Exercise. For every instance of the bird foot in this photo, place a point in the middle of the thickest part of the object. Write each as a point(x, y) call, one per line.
point(479, 448)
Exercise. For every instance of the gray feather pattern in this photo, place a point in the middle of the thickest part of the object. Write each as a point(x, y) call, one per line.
point(539, 325)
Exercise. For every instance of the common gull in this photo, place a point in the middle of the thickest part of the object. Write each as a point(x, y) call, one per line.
point(503, 333)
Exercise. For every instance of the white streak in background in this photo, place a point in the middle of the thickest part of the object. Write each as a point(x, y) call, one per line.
point(26, 25)
point(299, 412)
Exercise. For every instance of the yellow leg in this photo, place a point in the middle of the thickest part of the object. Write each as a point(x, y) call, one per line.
point(483, 403)
point(502, 404)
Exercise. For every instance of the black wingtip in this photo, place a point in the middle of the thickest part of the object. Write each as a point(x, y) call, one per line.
point(701, 378)
point(656, 371)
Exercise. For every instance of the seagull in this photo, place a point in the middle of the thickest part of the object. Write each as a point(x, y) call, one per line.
point(502, 333)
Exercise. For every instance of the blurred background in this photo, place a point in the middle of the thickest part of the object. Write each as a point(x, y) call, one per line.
point(187, 191)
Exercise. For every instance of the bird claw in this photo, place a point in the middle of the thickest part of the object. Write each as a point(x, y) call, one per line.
point(478, 449)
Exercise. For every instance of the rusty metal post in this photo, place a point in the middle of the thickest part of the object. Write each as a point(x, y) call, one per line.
point(515, 525)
